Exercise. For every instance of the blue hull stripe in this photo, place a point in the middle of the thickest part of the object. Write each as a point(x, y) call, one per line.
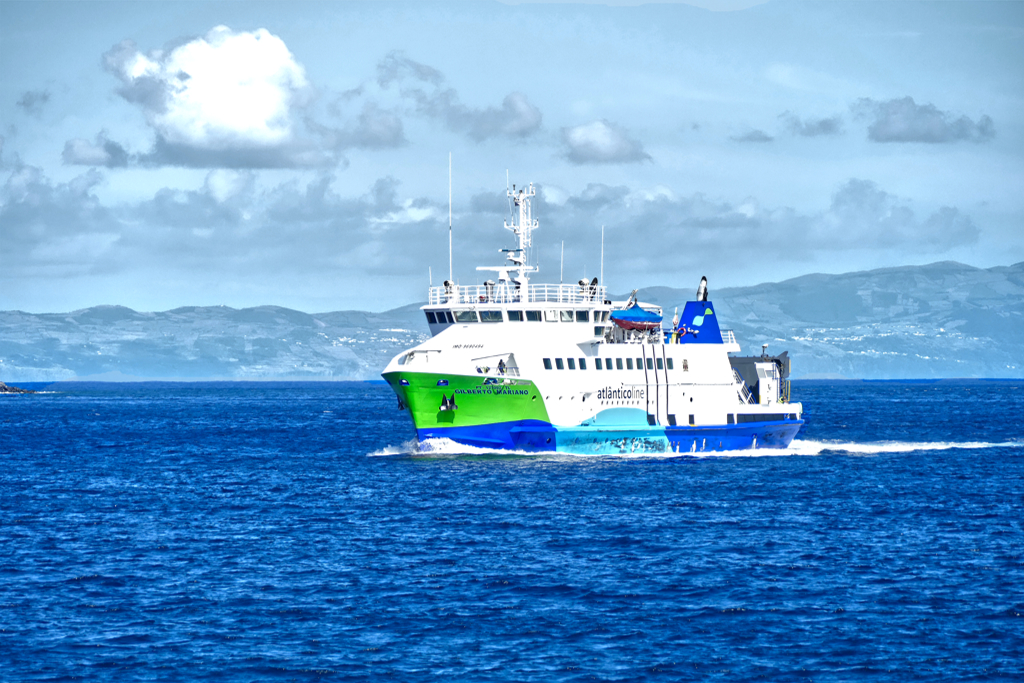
point(536, 435)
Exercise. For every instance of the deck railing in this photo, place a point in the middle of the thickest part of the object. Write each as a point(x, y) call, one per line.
point(509, 294)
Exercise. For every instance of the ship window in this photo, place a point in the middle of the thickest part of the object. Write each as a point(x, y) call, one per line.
point(597, 363)
point(691, 421)
point(686, 366)
point(533, 316)
point(547, 363)
point(572, 363)
point(671, 420)
point(661, 365)
point(491, 316)
point(598, 331)
point(583, 363)
point(618, 364)
point(583, 316)
point(670, 367)
point(639, 364)
point(650, 363)
point(566, 316)
point(763, 417)
point(730, 419)
point(466, 317)
point(629, 364)
point(650, 420)
point(558, 364)
point(430, 318)
point(551, 316)
point(515, 316)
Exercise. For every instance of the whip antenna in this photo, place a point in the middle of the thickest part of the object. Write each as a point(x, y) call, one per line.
point(449, 216)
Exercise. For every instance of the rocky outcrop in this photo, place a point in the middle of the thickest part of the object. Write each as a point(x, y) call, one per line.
point(4, 389)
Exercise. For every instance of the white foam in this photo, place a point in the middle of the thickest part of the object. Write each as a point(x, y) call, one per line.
point(804, 447)
point(447, 447)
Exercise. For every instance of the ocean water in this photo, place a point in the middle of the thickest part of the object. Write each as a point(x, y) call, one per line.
point(261, 532)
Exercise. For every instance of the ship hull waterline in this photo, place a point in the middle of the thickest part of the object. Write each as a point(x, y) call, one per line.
point(512, 417)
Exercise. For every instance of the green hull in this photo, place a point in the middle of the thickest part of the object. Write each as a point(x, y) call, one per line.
point(478, 403)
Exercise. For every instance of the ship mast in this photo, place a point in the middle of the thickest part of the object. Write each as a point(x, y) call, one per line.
point(522, 226)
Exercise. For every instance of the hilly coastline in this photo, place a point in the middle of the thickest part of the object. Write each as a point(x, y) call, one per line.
point(940, 320)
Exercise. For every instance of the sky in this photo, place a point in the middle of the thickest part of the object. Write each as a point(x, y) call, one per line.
point(164, 154)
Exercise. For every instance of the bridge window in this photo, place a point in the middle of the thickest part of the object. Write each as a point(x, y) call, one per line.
point(566, 316)
point(583, 363)
point(583, 316)
point(547, 363)
point(629, 364)
point(533, 316)
point(558, 364)
point(670, 367)
point(491, 316)
point(430, 318)
point(597, 363)
point(661, 365)
point(572, 364)
point(466, 317)
point(515, 316)
point(618, 364)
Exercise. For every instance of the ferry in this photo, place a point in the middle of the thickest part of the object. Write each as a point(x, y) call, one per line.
point(523, 366)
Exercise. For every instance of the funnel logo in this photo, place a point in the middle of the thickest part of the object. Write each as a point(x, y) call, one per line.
point(699, 320)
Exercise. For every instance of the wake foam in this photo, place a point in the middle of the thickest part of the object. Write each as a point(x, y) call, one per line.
point(449, 448)
point(803, 447)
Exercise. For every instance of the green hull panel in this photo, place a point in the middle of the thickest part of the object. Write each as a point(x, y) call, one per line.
point(478, 403)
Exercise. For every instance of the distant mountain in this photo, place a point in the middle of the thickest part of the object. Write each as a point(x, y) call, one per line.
point(941, 320)
point(215, 342)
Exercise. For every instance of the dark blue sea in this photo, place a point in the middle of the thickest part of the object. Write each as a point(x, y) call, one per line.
point(263, 532)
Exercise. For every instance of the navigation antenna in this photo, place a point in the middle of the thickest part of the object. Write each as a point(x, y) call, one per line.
point(449, 216)
point(522, 226)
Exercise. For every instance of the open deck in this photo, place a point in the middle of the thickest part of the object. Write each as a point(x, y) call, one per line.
point(507, 293)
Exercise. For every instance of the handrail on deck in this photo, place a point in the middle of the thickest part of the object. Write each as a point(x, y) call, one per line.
point(509, 293)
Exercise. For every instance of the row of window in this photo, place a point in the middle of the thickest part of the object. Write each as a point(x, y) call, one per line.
point(496, 316)
point(614, 364)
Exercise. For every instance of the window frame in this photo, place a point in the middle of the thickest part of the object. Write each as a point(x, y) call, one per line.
point(490, 313)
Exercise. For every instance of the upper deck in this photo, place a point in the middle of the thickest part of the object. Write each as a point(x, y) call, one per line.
point(506, 292)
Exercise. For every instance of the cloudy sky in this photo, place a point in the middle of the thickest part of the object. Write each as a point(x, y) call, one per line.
point(164, 154)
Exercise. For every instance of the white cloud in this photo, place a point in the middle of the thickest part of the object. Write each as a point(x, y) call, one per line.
point(515, 118)
point(903, 120)
point(223, 90)
point(103, 152)
point(602, 142)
